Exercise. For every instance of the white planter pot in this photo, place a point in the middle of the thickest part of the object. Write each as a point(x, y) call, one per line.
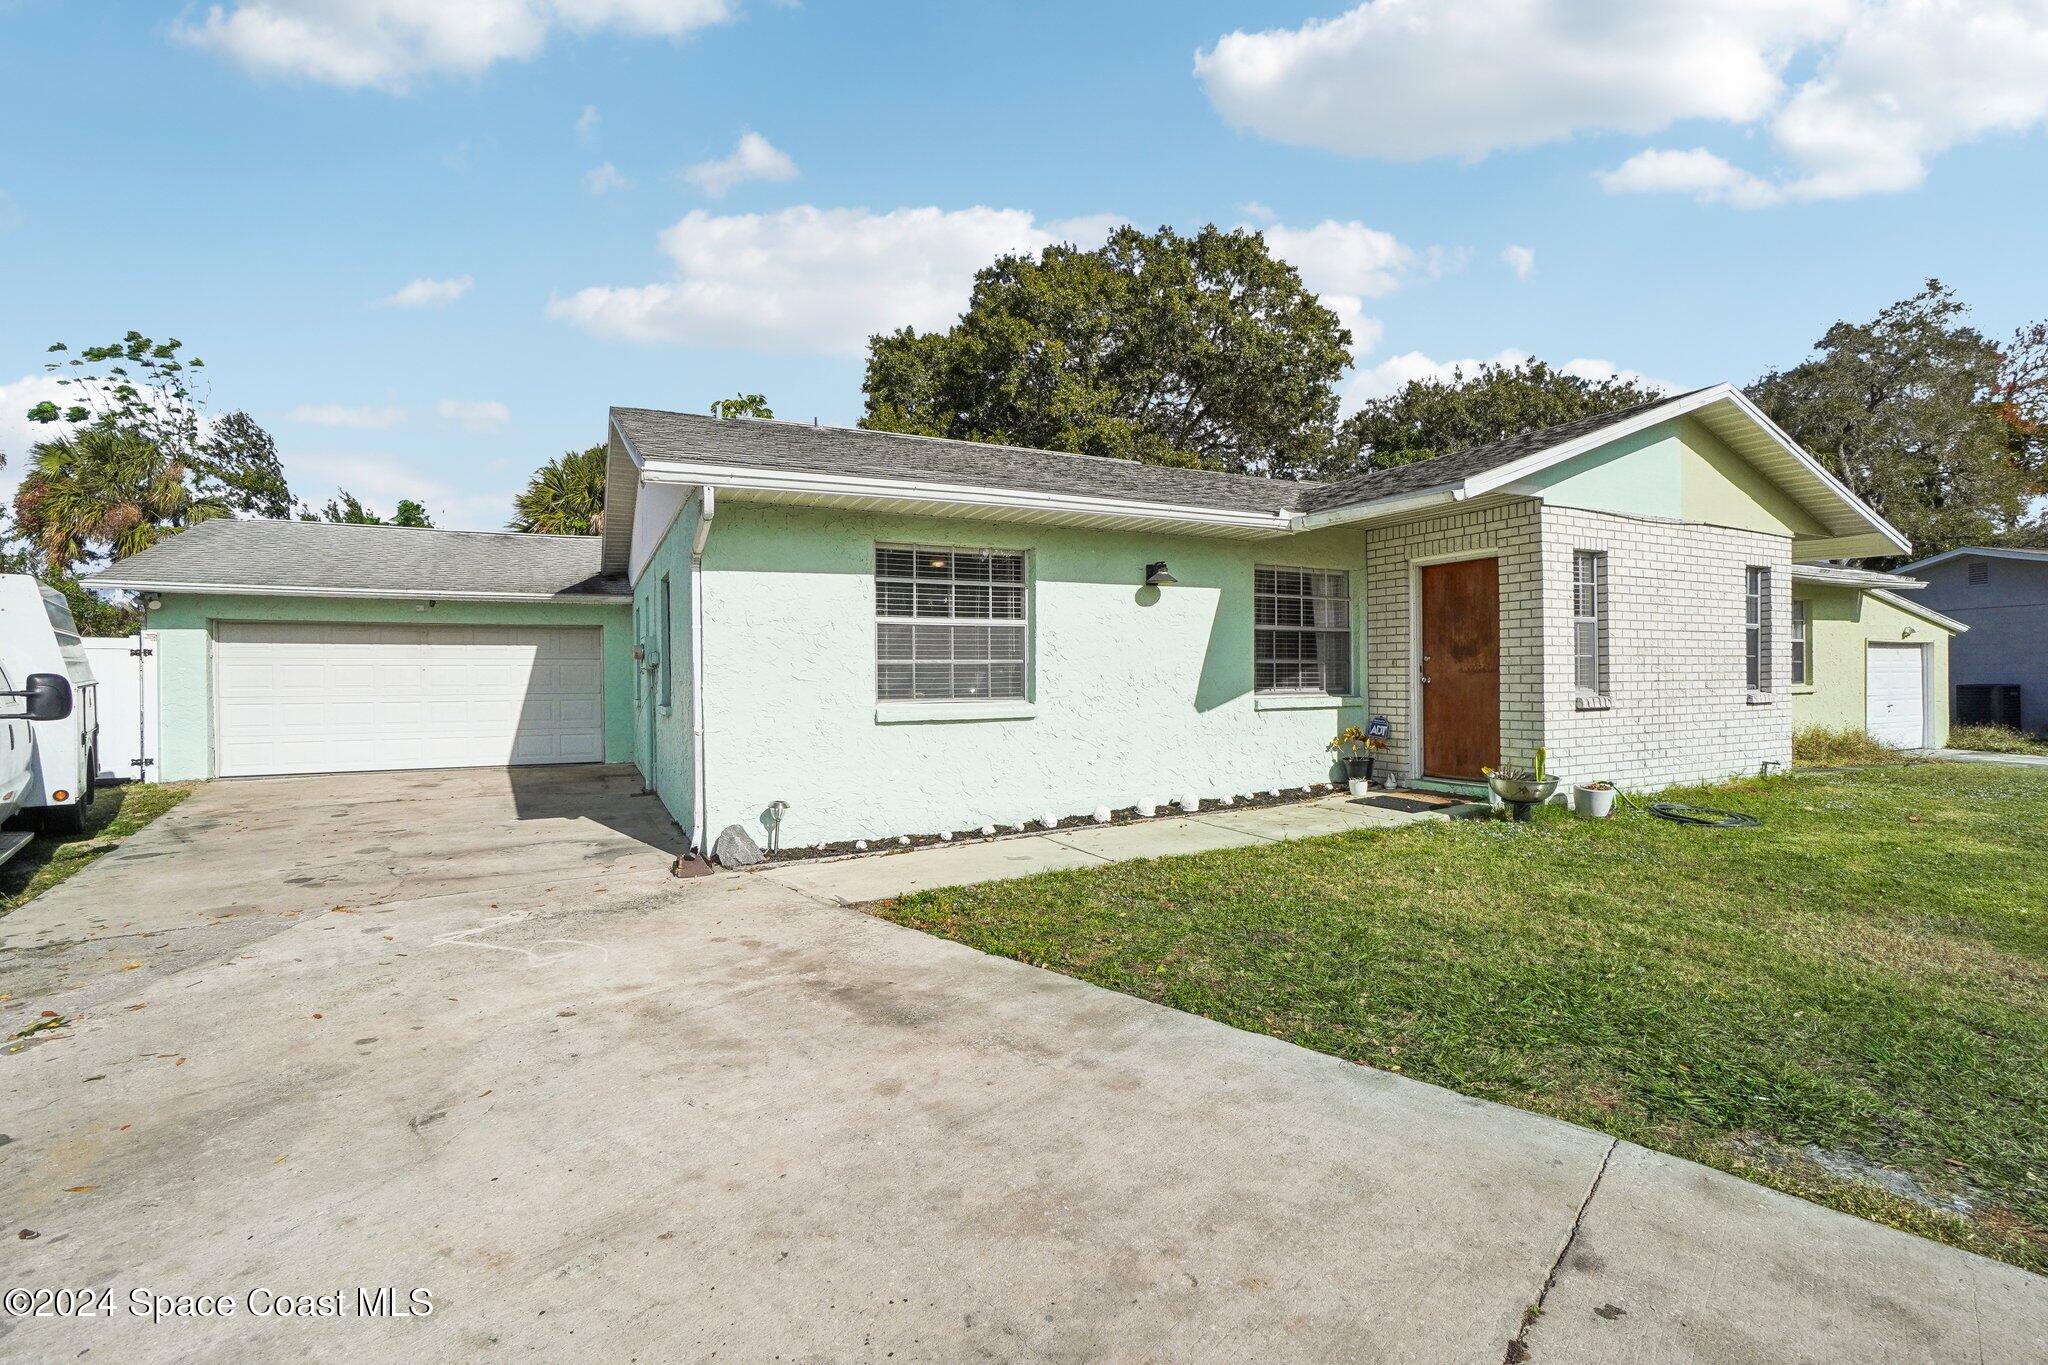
point(1360, 787)
point(1592, 802)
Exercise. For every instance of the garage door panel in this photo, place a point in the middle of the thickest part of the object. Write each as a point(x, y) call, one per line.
point(1895, 694)
point(313, 697)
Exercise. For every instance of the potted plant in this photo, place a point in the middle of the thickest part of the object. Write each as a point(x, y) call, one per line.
point(1521, 788)
point(1594, 800)
point(1356, 748)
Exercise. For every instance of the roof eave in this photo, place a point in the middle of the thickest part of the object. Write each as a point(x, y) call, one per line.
point(1382, 509)
point(106, 582)
point(1927, 614)
point(965, 496)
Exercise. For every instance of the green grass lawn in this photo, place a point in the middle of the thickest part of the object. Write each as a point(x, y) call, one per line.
point(1860, 984)
point(117, 813)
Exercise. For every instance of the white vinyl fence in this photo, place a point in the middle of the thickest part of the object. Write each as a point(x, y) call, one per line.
point(126, 672)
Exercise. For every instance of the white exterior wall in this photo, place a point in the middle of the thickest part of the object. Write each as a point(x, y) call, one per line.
point(1680, 705)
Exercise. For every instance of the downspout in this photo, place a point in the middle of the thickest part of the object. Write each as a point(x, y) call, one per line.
point(707, 508)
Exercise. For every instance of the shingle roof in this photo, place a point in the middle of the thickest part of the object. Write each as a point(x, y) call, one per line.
point(1838, 576)
point(319, 556)
point(1449, 469)
point(796, 446)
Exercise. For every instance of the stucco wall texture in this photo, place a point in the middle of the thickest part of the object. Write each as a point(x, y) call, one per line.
point(1133, 692)
point(1843, 623)
point(184, 626)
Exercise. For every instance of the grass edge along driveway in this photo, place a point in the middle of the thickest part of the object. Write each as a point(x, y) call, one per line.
point(117, 812)
point(1849, 1004)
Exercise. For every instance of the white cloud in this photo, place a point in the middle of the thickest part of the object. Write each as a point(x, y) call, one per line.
point(429, 293)
point(391, 44)
point(381, 480)
point(807, 280)
point(1520, 259)
point(1396, 371)
point(476, 415)
point(341, 415)
point(587, 121)
point(17, 433)
point(1258, 212)
point(753, 158)
point(604, 179)
point(1416, 78)
point(1905, 81)
point(1881, 86)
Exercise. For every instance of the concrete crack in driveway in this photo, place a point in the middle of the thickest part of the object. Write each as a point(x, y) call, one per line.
point(1518, 1345)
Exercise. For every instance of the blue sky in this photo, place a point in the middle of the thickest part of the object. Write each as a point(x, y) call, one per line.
point(1699, 190)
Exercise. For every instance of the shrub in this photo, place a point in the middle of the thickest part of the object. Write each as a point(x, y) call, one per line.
point(1819, 747)
point(1994, 739)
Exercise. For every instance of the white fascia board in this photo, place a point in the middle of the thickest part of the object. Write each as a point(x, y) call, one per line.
point(1835, 576)
point(1553, 456)
point(1912, 608)
point(395, 594)
point(1381, 509)
point(958, 495)
point(1987, 551)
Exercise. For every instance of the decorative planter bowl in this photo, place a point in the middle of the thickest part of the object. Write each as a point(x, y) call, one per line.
point(1522, 791)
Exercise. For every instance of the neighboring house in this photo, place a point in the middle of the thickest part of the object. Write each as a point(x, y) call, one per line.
point(1999, 671)
point(1866, 658)
point(895, 634)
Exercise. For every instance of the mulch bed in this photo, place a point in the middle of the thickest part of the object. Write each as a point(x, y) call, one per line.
point(1128, 815)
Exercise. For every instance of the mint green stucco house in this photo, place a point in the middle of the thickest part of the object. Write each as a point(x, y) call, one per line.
point(898, 635)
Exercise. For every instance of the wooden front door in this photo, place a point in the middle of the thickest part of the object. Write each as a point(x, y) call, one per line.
point(1460, 668)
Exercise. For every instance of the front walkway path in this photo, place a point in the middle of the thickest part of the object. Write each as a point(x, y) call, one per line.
point(1979, 756)
point(465, 1034)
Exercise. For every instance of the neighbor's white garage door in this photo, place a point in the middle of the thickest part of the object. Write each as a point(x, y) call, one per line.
point(1894, 695)
point(302, 697)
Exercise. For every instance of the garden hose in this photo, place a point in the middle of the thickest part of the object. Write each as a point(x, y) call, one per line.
point(1681, 814)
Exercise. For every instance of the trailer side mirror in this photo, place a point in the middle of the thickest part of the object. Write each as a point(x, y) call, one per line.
point(47, 697)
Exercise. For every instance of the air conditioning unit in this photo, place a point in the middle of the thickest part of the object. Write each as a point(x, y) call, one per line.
point(1988, 704)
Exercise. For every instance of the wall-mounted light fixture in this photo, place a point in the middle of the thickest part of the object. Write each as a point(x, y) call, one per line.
point(154, 604)
point(1156, 575)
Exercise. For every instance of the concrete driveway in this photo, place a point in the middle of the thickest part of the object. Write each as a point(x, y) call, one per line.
point(460, 1032)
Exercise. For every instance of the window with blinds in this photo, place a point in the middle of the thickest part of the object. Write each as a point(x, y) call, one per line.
point(1301, 636)
point(1589, 624)
point(949, 624)
point(1757, 629)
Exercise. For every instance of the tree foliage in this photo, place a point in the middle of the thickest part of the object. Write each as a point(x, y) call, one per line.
point(1425, 418)
point(1924, 417)
point(106, 491)
point(145, 387)
point(1188, 350)
point(742, 405)
point(346, 508)
point(565, 497)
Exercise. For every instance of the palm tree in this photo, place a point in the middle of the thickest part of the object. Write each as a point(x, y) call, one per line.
point(564, 497)
point(109, 490)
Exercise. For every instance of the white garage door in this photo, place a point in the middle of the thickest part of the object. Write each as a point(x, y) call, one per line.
point(1894, 695)
point(302, 697)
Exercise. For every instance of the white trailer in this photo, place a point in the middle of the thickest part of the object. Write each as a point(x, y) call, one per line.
point(50, 707)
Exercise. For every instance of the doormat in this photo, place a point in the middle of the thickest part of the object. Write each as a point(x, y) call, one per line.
point(1407, 805)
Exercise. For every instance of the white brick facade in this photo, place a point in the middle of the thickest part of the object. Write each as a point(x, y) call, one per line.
point(1679, 707)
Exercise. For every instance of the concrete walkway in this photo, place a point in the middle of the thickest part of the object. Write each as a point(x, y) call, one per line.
point(325, 1033)
point(1979, 756)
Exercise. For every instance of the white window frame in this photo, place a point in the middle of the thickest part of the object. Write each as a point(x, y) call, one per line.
point(1802, 643)
point(1589, 580)
point(668, 633)
point(1350, 688)
point(1757, 627)
point(952, 623)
